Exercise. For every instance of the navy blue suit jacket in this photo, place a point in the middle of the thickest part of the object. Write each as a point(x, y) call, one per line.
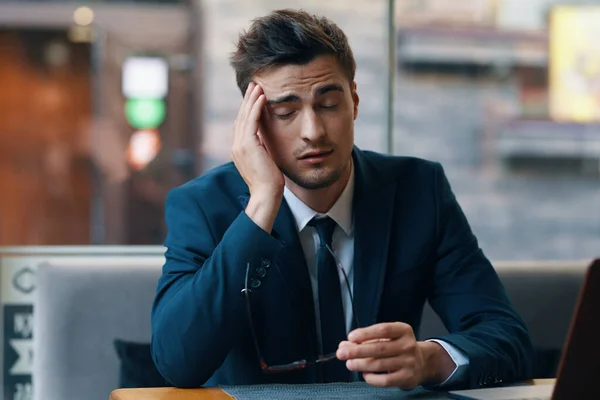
point(412, 244)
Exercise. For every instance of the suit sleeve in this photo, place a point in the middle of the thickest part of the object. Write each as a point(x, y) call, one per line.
point(198, 311)
point(469, 297)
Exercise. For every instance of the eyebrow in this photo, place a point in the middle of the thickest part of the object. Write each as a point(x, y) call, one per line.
point(292, 98)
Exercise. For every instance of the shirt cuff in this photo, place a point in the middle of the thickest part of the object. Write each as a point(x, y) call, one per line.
point(459, 358)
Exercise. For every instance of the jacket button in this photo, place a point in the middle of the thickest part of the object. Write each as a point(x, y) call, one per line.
point(254, 283)
point(261, 272)
point(265, 262)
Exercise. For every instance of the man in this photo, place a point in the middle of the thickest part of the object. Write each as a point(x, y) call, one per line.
point(309, 260)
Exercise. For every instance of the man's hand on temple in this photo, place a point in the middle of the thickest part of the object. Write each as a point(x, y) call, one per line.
point(264, 179)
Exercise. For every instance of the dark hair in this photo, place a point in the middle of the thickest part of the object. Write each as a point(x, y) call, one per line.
point(289, 37)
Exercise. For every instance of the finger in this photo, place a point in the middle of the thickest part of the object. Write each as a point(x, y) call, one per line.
point(404, 379)
point(253, 120)
point(375, 364)
point(246, 126)
point(257, 108)
point(389, 330)
point(242, 112)
point(251, 100)
point(376, 349)
point(249, 90)
point(346, 343)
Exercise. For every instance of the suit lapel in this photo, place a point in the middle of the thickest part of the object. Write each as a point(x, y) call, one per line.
point(373, 211)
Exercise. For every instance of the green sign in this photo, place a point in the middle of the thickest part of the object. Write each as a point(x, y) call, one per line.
point(145, 113)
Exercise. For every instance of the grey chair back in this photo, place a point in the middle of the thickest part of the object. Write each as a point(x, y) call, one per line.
point(80, 309)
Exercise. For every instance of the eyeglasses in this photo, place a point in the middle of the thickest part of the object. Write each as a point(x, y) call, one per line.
point(300, 364)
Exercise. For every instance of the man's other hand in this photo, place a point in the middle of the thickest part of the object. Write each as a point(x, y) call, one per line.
point(388, 354)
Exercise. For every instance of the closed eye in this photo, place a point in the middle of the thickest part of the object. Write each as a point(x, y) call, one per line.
point(286, 115)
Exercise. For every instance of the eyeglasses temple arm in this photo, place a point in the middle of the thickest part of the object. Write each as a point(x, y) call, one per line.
point(246, 292)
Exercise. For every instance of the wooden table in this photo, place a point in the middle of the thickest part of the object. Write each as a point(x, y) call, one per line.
point(203, 394)
point(169, 394)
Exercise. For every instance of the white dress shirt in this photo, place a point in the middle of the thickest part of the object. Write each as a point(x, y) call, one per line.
point(343, 247)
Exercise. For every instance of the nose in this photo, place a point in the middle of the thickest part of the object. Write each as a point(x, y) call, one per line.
point(313, 129)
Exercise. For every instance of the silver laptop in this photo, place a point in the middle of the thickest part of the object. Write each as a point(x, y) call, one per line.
point(579, 366)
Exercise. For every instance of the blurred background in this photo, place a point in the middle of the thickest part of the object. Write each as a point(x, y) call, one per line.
point(107, 105)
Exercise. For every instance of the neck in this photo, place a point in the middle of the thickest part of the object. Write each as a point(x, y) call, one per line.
point(321, 200)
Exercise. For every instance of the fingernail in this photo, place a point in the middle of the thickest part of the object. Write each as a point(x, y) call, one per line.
point(353, 336)
point(342, 353)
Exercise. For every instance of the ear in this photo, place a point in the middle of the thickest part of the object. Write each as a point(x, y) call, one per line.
point(263, 134)
point(262, 126)
point(355, 99)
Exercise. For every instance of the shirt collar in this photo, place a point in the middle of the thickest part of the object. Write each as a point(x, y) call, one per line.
point(340, 212)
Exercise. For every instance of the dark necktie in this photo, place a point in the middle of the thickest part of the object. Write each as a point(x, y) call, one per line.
point(333, 326)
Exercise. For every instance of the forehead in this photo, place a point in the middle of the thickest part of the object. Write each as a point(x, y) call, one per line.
point(301, 79)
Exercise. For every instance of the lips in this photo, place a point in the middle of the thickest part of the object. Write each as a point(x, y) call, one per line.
point(315, 154)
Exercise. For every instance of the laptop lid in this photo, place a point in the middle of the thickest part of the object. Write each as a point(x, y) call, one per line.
point(579, 366)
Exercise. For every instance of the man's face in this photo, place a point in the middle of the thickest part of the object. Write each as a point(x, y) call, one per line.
point(308, 122)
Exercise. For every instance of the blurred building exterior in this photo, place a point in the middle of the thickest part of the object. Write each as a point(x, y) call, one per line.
point(66, 175)
point(471, 90)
